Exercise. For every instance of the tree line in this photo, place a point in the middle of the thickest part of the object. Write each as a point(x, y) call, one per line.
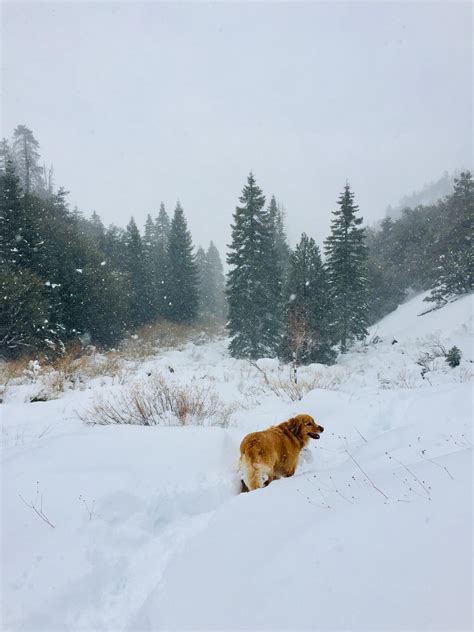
point(301, 306)
point(66, 278)
point(289, 303)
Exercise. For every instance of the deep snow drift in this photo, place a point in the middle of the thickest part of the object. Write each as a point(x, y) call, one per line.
point(149, 531)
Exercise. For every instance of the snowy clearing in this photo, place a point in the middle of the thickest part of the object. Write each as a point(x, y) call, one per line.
point(142, 528)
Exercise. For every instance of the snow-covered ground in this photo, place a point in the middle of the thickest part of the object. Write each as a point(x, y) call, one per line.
point(147, 530)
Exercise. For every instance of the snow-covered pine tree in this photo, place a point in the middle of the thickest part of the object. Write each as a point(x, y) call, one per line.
point(162, 233)
point(254, 282)
point(201, 266)
point(11, 216)
point(308, 335)
point(26, 157)
point(182, 274)
point(282, 249)
point(5, 154)
point(151, 268)
point(453, 274)
point(211, 283)
point(346, 261)
point(216, 280)
point(138, 308)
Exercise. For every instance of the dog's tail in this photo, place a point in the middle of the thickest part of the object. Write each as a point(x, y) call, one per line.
point(253, 475)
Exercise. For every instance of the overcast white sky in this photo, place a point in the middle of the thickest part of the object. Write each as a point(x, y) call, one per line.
point(135, 103)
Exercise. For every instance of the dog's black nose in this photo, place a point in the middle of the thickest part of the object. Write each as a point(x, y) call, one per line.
point(321, 428)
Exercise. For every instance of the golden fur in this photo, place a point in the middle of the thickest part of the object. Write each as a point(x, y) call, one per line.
point(274, 453)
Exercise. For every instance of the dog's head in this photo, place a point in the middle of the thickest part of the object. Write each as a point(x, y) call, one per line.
point(305, 428)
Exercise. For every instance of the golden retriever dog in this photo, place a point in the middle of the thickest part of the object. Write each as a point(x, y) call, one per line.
point(274, 453)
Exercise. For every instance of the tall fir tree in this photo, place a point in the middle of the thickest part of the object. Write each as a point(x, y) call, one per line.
point(212, 302)
point(346, 257)
point(151, 267)
point(282, 249)
point(254, 281)
point(162, 234)
point(182, 291)
point(216, 283)
point(26, 158)
point(11, 216)
point(201, 266)
point(5, 154)
point(138, 309)
point(308, 335)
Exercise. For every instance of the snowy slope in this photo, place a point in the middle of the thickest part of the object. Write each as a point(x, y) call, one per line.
point(150, 533)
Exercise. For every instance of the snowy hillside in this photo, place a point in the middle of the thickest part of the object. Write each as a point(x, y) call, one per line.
point(124, 527)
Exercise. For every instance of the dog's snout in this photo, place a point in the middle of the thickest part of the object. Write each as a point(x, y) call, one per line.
point(321, 429)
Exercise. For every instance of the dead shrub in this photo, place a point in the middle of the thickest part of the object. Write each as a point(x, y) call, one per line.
point(159, 401)
point(295, 390)
point(163, 334)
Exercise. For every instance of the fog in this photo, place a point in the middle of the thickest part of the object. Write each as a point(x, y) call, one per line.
point(135, 103)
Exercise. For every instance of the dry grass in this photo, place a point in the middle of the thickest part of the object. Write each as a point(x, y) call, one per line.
point(153, 338)
point(160, 401)
point(294, 391)
point(13, 369)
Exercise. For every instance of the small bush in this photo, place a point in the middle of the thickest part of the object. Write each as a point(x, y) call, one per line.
point(453, 357)
point(159, 401)
point(294, 391)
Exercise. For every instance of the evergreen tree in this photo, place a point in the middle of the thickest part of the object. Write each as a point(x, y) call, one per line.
point(138, 308)
point(211, 283)
point(25, 325)
point(201, 267)
point(254, 281)
point(216, 283)
point(26, 157)
point(162, 234)
point(96, 230)
point(347, 272)
point(151, 268)
point(453, 274)
point(182, 291)
point(282, 249)
point(5, 154)
point(308, 336)
point(11, 216)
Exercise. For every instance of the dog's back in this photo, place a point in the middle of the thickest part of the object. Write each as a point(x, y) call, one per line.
point(274, 453)
point(267, 455)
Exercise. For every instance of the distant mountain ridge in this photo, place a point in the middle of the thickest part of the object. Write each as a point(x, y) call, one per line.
point(430, 193)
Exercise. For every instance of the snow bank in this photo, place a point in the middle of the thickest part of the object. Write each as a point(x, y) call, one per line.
point(149, 531)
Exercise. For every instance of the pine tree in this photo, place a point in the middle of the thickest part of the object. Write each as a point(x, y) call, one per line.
point(182, 272)
point(162, 233)
point(347, 272)
point(453, 274)
point(151, 267)
point(282, 249)
point(138, 308)
point(5, 154)
point(216, 283)
point(254, 281)
point(201, 267)
point(26, 157)
point(308, 336)
point(211, 283)
point(25, 326)
point(11, 216)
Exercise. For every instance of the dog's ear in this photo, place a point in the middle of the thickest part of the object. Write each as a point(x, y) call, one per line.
point(294, 426)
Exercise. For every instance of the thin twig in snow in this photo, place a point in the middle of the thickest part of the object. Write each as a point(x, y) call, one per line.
point(39, 512)
point(366, 475)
